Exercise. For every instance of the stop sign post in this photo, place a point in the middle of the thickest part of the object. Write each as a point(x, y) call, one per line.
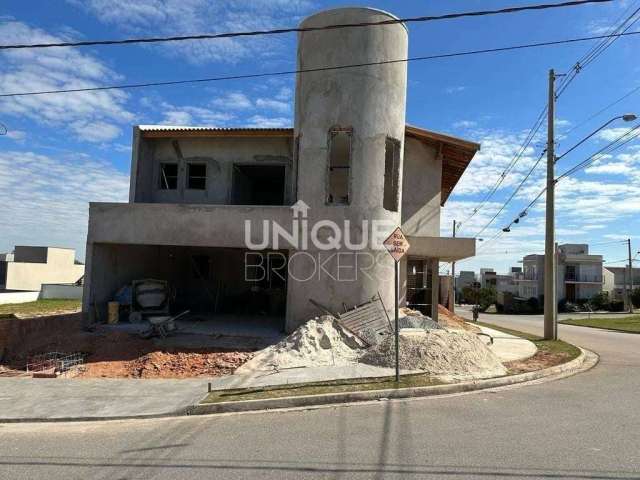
point(397, 245)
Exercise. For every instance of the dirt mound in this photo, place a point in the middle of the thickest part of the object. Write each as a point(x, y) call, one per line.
point(321, 341)
point(119, 354)
point(451, 320)
point(454, 354)
point(186, 364)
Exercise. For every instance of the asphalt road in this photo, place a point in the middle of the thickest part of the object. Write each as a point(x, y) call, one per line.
point(585, 427)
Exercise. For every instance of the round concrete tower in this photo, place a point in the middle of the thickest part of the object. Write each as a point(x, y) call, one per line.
point(370, 102)
point(349, 129)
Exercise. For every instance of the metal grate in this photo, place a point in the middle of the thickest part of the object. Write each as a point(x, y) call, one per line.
point(56, 361)
point(369, 321)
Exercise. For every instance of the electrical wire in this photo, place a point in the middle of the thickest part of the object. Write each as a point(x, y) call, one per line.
point(513, 194)
point(311, 70)
point(603, 109)
point(597, 49)
point(448, 16)
point(528, 139)
point(611, 147)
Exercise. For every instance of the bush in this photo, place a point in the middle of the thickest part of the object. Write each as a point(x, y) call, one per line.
point(616, 306)
point(635, 297)
point(486, 298)
point(600, 301)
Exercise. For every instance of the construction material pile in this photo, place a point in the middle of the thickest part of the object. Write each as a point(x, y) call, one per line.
point(442, 353)
point(319, 342)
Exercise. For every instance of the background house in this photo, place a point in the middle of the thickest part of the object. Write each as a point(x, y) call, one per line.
point(579, 274)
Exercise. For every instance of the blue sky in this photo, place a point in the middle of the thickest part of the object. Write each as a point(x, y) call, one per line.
point(62, 151)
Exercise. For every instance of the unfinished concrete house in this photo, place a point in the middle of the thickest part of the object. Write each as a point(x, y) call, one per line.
point(202, 198)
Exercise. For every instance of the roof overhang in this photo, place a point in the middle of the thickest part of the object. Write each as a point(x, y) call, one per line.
point(445, 249)
point(456, 153)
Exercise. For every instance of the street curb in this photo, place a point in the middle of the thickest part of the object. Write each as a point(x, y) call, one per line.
point(585, 361)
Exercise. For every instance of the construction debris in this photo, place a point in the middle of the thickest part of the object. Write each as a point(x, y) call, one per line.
point(319, 342)
point(447, 354)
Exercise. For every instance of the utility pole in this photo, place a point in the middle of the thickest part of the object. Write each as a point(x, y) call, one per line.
point(452, 302)
point(550, 303)
point(630, 292)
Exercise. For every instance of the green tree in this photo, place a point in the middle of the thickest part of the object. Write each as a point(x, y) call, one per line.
point(635, 297)
point(486, 297)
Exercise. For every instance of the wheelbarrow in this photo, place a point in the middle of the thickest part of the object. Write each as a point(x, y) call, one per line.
point(161, 326)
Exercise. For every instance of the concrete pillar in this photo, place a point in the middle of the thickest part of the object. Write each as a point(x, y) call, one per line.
point(435, 288)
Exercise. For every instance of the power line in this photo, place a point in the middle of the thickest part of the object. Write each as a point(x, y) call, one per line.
point(593, 53)
point(529, 138)
point(597, 50)
point(513, 194)
point(448, 16)
point(603, 109)
point(310, 70)
point(609, 148)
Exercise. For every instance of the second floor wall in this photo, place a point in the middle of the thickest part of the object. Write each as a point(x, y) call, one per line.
point(219, 170)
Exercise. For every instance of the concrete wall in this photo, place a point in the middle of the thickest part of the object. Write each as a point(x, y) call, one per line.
point(60, 290)
point(20, 337)
point(60, 267)
point(220, 154)
point(18, 297)
point(421, 180)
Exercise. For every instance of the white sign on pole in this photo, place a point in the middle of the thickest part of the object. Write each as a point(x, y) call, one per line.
point(396, 244)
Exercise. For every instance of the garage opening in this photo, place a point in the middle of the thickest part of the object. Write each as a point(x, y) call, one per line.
point(258, 185)
point(233, 291)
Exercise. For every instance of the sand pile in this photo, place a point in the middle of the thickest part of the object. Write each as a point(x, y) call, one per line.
point(451, 354)
point(321, 341)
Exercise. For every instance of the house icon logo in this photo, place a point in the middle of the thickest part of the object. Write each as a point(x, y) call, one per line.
point(300, 208)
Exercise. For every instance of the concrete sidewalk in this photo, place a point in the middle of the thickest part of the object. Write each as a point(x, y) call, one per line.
point(25, 399)
point(508, 347)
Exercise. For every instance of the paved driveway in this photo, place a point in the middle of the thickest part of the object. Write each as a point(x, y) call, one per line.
point(583, 427)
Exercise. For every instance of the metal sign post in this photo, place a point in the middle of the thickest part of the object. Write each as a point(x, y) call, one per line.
point(397, 246)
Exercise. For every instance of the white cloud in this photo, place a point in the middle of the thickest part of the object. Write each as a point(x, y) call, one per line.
point(45, 199)
point(53, 69)
point(190, 115)
point(610, 168)
point(611, 134)
point(184, 17)
point(17, 135)
point(260, 121)
point(464, 124)
point(233, 101)
point(276, 105)
point(455, 89)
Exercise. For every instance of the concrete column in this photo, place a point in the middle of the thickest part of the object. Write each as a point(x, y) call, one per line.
point(435, 288)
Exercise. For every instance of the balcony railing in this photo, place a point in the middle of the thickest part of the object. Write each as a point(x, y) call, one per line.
point(574, 277)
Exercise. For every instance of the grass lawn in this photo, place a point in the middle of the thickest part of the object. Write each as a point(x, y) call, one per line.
point(629, 323)
point(40, 307)
point(332, 386)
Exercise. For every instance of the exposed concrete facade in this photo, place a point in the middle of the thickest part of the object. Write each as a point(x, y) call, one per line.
point(391, 174)
point(33, 266)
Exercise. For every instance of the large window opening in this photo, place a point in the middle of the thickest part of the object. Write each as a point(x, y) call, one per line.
point(258, 185)
point(391, 174)
point(168, 176)
point(197, 176)
point(339, 166)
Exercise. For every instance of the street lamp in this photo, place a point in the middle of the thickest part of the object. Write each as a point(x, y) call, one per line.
point(627, 117)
